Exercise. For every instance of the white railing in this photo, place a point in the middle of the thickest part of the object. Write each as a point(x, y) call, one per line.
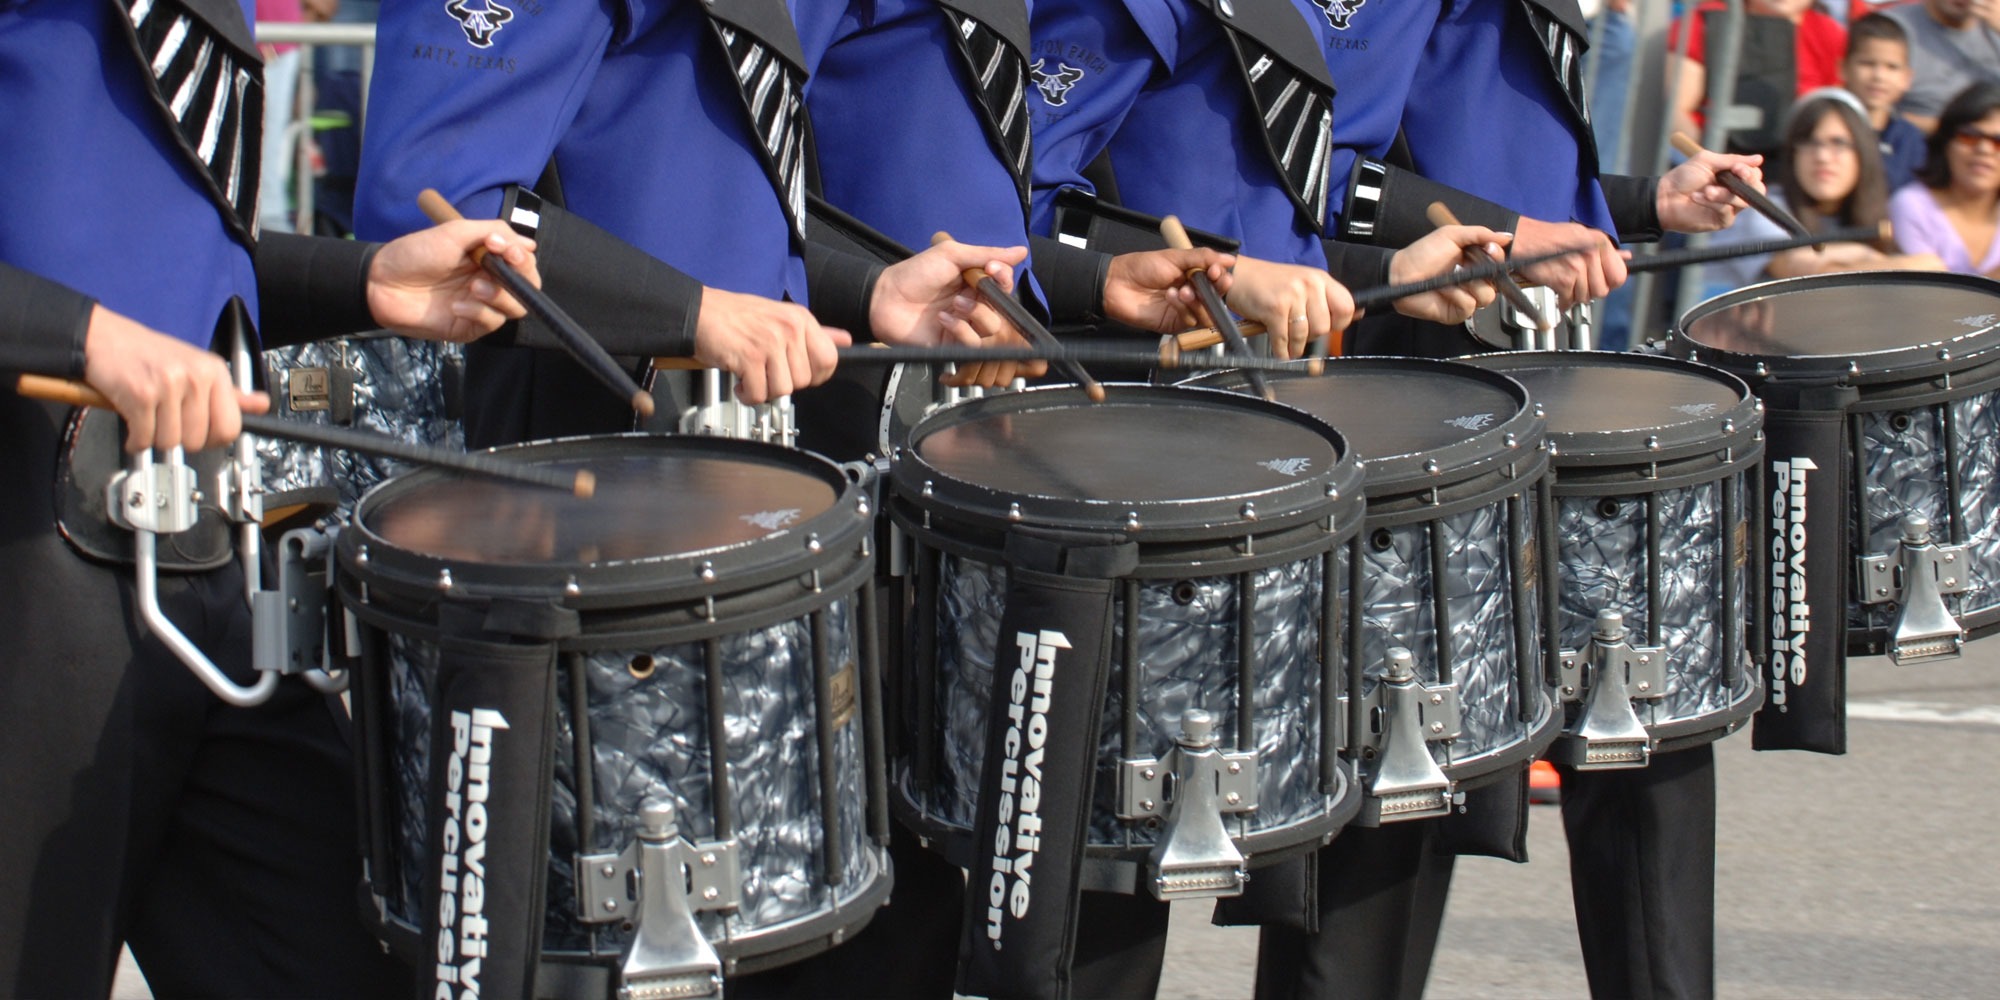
point(310, 38)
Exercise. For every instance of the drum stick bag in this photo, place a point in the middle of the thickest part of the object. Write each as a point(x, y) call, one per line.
point(1285, 894)
point(1049, 677)
point(491, 763)
point(1804, 512)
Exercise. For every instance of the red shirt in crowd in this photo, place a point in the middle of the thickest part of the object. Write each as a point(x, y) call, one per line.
point(1819, 44)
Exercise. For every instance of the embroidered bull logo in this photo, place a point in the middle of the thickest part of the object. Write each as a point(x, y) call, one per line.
point(1339, 12)
point(480, 25)
point(1054, 85)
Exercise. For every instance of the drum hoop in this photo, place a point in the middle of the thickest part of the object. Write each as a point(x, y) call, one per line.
point(1470, 457)
point(1333, 492)
point(820, 542)
point(1736, 428)
point(1946, 354)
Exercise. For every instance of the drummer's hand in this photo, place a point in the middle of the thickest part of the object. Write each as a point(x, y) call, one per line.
point(1298, 305)
point(912, 295)
point(773, 348)
point(1691, 200)
point(1150, 290)
point(1441, 250)
point(427, 284)
point(969, 321)
point(169, 391)
point(1575, 278)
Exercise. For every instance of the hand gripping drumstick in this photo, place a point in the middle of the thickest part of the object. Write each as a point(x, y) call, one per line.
point(583, 483)
point(1218, 311)
point(587, 352)
point(1511, 290)
point(1742, 189)
point(1038, 335)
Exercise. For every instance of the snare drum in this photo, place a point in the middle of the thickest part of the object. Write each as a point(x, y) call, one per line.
point(1455, 668)
point(407, 389)
point(701, 631)
point(1653, 462)
point(1902, 370)
point(1238, 509)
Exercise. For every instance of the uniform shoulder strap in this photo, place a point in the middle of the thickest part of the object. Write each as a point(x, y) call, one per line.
point(768, 63)
point(1292, 92)
point(992, 38)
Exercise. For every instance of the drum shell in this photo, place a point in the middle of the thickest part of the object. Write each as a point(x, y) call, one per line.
point(636, 649)
point(1191, 558)
point(1676, 477)
point(1898, 406)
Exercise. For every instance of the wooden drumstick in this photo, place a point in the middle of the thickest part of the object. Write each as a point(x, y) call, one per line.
point(587, 351)
point(1218, 311)
point(583, 483)
point(993, 295)
point(1441, 216)
point(1740, 188)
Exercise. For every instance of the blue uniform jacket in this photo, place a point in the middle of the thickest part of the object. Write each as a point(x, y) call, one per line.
point(1154, 85)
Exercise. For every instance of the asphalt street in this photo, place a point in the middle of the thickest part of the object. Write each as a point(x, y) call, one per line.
point(1867, 875)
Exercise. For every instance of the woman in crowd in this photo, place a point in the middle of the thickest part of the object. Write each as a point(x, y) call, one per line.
point(1953, 208)
point(1830, 176)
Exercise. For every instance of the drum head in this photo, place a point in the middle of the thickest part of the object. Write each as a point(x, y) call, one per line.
point(1855, 325)
point(1606, 406)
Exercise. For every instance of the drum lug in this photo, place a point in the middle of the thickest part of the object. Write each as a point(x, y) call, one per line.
point(1607, 679)
point(1195, 858)
point(1408, 783)
point(1916, 573)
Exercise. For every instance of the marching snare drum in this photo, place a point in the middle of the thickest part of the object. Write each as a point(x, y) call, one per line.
point(1654, 459)
point(1221, 634)
point(1451, 640)
point(708, 707)
point(1884, 390)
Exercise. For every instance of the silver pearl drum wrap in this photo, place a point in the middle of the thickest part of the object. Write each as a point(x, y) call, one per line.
point(1187, 651)
point(649, 740)
point(1903, 467)
point(1603, 568)
point(1398, 610)
point(399, 390)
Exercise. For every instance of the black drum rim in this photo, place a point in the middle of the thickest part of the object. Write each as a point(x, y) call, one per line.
point(1943, 354)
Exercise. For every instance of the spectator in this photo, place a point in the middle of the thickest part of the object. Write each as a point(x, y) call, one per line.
point(1953, 210)
point(1829, 176)
point(1877, 70)
point(1818, 42)
point(1950, 49)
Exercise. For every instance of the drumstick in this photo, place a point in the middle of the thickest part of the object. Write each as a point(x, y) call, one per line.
point(1742, 189)
point(1441, 216)
point(991, 292)
point(1218, 312)
point(582, 483)
point(1687, 256)
point(587, 352)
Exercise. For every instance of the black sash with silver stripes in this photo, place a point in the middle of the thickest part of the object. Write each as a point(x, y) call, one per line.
point(211, 88)
point(1000, 72)
point(773, 91)
point(1294, 112)
point(1565, 49)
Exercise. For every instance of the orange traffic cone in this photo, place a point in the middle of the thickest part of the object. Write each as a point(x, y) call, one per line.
point(1544, 784)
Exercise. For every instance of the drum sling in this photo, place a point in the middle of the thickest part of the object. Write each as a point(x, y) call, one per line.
point(1805, 506)
point(1035, 789)
point(491, 770)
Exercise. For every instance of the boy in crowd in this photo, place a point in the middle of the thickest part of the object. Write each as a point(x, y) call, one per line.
point(1877, 70)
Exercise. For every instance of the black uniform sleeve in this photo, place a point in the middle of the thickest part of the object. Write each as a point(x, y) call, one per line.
point(42, 324)
point(1356, 265)
point(1073, 278)
point(1634, 205)
point(630, 302)
point(311, 288)
point(840, 285)
point(1386, 205)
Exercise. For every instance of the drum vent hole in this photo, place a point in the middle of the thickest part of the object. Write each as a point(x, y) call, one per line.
point(1380, 539)
point(1899, 422)
point(1607, 508)
point(641, 666)
point(1185, 592)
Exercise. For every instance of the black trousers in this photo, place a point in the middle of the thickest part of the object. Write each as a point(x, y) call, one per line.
point(219, 842)
point(1382, 894)
point(1642, 871)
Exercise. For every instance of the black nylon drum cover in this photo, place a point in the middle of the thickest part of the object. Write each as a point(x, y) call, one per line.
point(701, 614)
